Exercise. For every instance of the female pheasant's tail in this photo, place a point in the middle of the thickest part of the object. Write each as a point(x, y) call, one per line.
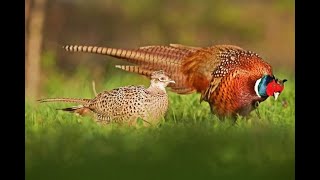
point(71, 100)
point(80, 109)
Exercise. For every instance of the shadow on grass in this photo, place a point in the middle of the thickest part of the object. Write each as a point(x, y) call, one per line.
point(170, 152)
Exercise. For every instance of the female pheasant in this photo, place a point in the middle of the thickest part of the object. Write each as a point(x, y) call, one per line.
point(232, 80)
point(126, 104)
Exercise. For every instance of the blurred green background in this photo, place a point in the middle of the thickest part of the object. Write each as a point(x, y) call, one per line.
point(191, 143)
point(265, 27)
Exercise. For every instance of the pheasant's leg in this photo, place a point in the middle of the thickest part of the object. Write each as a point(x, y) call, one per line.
point(233, 123)
point(256, 104)
point(234, 120)
point(146, 123)
point(139, 120)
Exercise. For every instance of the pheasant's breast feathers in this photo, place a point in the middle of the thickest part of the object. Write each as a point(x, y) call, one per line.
point(234, 94)
point(231, 88)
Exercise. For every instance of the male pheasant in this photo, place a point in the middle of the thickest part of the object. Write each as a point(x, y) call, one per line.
point(126, 104)
point(232, 80)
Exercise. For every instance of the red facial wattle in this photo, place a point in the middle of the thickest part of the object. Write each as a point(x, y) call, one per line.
point(272, 87)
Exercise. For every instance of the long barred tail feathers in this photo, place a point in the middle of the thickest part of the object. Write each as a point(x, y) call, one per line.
point(148, 59)
point(136, 69)
point(162, 56)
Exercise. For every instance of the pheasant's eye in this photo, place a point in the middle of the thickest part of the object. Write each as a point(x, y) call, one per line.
point(161, 79)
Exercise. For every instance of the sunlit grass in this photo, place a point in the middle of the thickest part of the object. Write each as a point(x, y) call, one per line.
point(191, 143)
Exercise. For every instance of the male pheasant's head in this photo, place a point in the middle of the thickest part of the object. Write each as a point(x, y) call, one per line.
point(269, 86)
point(160, 79)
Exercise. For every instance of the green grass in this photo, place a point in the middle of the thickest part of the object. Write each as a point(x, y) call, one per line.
point(190, 143)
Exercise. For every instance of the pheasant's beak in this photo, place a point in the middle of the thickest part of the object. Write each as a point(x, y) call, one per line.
point(276, 94)
point(172, 81)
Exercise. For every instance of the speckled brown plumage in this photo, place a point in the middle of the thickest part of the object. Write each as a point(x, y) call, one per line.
point(227, 76)
point(126, 104)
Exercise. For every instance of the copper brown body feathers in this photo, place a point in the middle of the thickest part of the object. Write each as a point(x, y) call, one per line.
point(225, 75)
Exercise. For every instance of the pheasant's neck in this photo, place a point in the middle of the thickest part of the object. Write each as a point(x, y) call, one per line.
point(260, 86)
point(157, 88)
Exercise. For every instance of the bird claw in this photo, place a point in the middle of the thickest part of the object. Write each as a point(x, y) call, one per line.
point(256, 105)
